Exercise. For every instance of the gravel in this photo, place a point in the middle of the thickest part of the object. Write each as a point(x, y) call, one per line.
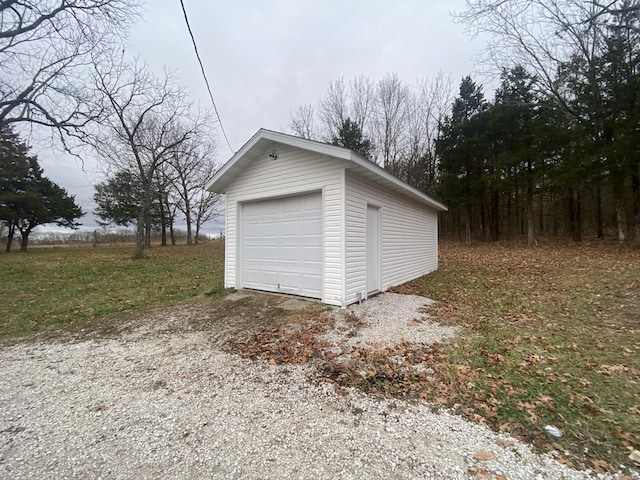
point(160, 401)
point(389, 319)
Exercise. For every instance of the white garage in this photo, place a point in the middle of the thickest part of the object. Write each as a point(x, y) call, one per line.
point(317, 220)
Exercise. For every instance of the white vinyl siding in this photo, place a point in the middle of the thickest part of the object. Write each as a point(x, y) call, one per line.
point(293, 172)
point(409, 244)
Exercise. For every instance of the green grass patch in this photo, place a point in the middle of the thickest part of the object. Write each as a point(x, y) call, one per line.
point(47, 289)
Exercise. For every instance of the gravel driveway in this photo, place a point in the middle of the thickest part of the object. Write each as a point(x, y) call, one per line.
point(161, 400)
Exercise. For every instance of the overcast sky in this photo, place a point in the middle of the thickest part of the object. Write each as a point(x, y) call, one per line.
point(265, 58)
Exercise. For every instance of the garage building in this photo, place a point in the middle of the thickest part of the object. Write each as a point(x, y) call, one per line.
point(317, 220)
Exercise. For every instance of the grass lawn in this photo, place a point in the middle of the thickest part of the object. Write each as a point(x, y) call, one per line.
point(50, 288)
point(552, 337)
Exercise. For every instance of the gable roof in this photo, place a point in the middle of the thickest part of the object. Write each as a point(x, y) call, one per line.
point(265, 140)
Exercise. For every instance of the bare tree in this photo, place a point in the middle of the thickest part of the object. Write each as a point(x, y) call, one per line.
point(362, 101)
point(433, 102)
point(333, 108)
point(303, 123)
point(142, 128)
point(539, 35)
point(46, 49)
point(401, 120)
point(166, 208)
point(391, 119)
point(435, 97)
point(193, 166)
point(208, 206)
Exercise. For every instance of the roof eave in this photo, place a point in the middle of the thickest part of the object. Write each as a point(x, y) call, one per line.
point(263, 139)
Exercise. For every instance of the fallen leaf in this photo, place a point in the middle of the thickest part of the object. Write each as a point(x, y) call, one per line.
point(600, 466)
point(505, 427)
point(483, 455)
point(479, 472)
point(505, 443)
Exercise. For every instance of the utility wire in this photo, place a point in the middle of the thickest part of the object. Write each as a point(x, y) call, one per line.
point(206, 81)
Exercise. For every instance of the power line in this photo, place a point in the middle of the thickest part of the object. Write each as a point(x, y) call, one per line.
point(206, 81)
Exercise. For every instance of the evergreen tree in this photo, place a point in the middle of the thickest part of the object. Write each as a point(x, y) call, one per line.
point(461, 147)
point(519, 118)
point(27, 198)
point(118, 199)
point(350, 136)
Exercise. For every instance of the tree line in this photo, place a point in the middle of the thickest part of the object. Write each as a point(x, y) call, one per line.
point(62, 67)
point(555, 152)
point(106, 236)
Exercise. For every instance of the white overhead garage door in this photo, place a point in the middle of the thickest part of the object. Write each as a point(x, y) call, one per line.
point(282, 245)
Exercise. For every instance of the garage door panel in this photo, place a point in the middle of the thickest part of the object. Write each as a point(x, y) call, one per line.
point(289, 280)
point(251, 254)
point(291, 228)
point(282, 245)
point(291, 209)
point(312, 202)
point(269, 229)
point(311, 253)
point(268, 277)
point(251, 231)
point(312, 227)
point(290, 253)
point(312, 283)
point(270, 253)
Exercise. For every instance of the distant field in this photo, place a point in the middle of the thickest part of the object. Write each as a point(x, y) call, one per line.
point(49, 288)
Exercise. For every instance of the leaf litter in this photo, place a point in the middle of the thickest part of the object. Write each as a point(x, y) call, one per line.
point(534, 347)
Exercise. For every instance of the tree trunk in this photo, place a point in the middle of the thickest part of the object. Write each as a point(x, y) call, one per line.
point(187, 210)
point(482, 221)
point(599, 220)
point(578, 216)
point(163, 222)
point(139, 252)
point(621, 215)
point(621, 225)
point(164, 235)
point(467, 226)
point(572, 215)
point(172, 234)
point(541, 224)
point(147, 234)
point(10, 234)
point(518, 222)
point(531, 223)
point(496, 215)
point(508, 227)
point(635, 185)
point(24, 240)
